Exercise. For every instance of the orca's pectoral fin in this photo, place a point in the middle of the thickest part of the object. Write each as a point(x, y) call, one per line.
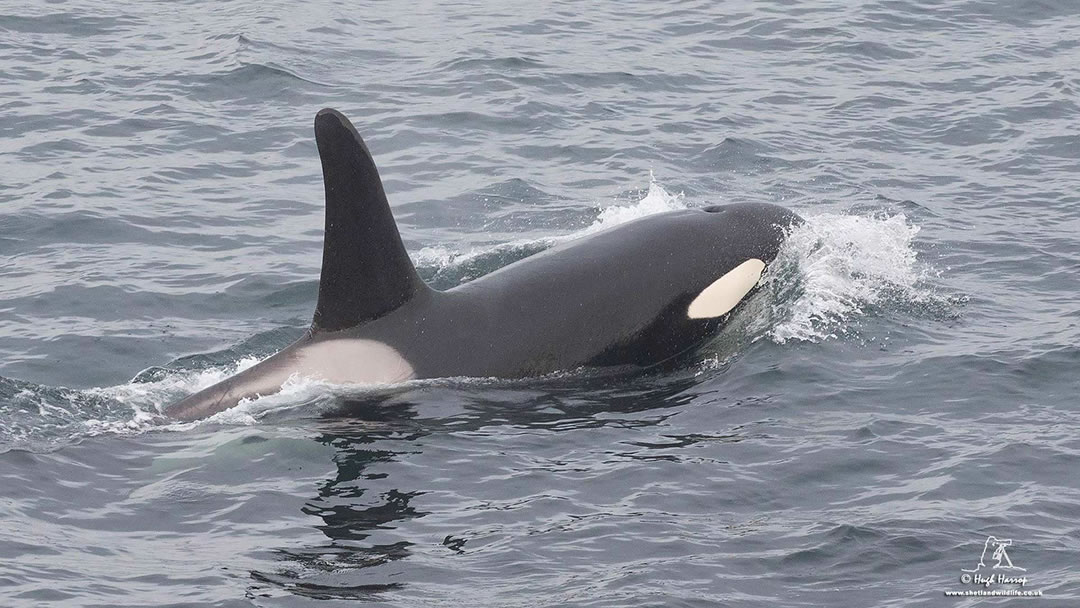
point(366, 271)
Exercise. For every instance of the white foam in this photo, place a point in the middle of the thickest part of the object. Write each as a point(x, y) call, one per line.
point(846, 263)
point(149, 399)
point(656, 200)
point(296, 391)
point(439, 256)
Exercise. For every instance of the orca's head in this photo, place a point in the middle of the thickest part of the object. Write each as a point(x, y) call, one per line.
point(750, 230)
point(735, 245)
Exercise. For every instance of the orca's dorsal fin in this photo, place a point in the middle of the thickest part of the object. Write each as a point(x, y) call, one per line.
point(366, 271)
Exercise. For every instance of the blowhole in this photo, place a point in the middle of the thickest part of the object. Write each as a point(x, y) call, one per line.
point(714, 208)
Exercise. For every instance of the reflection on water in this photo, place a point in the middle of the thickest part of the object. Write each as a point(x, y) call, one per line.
point(379, 443)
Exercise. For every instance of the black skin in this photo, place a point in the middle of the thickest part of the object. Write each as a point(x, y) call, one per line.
point(617, 298)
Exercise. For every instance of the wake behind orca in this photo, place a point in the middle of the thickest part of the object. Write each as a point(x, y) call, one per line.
point(633, 296)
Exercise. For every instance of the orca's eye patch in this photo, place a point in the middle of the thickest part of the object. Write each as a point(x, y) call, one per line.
point(725, 293)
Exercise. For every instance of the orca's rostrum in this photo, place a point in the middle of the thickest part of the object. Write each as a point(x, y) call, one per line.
point(633, 295)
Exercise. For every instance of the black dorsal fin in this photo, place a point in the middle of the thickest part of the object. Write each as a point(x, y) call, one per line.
point(366, 271)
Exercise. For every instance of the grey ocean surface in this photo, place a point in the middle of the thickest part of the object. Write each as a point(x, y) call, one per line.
point(904, 388)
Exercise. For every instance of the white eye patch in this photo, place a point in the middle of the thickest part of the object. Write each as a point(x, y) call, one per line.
point(727, 291)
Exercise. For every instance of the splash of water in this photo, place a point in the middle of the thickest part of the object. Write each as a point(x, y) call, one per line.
point(846, 266)
point(656, 200)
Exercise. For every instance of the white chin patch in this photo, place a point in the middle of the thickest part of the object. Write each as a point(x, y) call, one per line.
point(727, 291)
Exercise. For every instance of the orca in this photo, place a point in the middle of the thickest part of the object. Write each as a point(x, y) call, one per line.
point(632, 296)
